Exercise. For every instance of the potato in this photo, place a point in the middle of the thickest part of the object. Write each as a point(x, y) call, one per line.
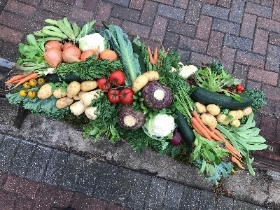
point(221, 118)
point(45, 92)
point(88, 85)
point(240, 114)
point(139, 82)
point(235, 123)
point(213, 109)
point(152, 75)
point(209, 120)
point(79, 96)
point(73, 89)
point(234, 114)
point(77, 108)
point(58, 93)
point(247, 111)
point(200, 107)
point(90, 113)
point(63, 102)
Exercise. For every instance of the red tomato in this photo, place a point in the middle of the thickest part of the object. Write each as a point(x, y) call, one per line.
point(126, 96)
point(117, 78)
point(239, 87)
point(103, 84)
point(114, 96)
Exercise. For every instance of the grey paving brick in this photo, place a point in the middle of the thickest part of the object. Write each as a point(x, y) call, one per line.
point(190, 198)
point(236, 11)
point(71, 171)
point(224, 203)
point(273, 58)
point(215, 11)
point(225, 26)
point(86, 178)
point(139, 188)
point(171, 12)
point(156, 193)
point(149, 13)
point(185, 55)
point(248, 58)
point(173, 196)
point(193, 12)
point(182, 28)
point(55, 167)
point(22, 158)
point(240, 71)
point(238, 42)
point(258, 10)
point(208, 200)
point(38, 163)
point(120, 2)
point(170, 40)
point(125, 13)
point(190, 44)
point(7, 151)
point(268, 3)
point(119, 186)
point(103, 173)
point(2, 136)
point(243, 205)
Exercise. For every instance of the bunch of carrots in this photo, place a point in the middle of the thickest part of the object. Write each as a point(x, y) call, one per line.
point(153, 57)
point(21, 78)
point(212, 134)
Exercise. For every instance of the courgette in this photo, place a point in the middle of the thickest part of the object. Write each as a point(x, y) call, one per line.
point(184, 129)
point(206, 97)
point(68, 78)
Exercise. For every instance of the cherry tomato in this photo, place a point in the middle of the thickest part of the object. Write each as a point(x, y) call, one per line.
point(114, 96)
point(26, 85)
point(126, 96)
point(41, 81)
point(22, 93)
point(239, 87)
point(33, 82)
point(31, 94)
point(103, 84)
point(117, 78)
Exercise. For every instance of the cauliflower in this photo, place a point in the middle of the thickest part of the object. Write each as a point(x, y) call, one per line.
point(187, 71)
point(92, 41)
point(161, 125)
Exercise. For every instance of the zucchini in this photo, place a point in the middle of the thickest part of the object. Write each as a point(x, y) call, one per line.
point(185, 130)
point(54, 78)
point(206, 97)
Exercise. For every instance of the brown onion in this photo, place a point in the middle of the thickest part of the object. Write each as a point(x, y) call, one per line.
point(53, 57)
point(88, 53)
point(67, 44)
point(71, 54)
point(53, 44)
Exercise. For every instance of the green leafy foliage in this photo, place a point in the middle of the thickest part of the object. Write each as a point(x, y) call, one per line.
point(258, 98)
point(123, 47)
point(89, 69)
point(245, 139)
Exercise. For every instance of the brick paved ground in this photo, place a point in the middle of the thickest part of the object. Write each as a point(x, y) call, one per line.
point(36, 177)
point(243, 34)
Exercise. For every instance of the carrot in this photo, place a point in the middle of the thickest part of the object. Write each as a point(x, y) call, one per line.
point(196, 116)
point(235, 160)
point(228, 145)
point(156, 55)
point(31, 76)
point(150, 55)
point(15, 79)
point(200, 129)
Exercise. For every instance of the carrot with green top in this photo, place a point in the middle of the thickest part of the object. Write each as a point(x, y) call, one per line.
point(25, 79)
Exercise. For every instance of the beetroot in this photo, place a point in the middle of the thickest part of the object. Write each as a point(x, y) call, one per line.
point(177, 138)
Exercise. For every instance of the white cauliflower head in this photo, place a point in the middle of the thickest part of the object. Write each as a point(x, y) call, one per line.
point(161, 125)
point(92, 42)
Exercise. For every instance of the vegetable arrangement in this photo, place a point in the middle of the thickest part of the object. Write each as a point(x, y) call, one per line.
point(122, 90)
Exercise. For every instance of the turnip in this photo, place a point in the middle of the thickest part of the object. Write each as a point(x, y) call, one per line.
point(130, 119)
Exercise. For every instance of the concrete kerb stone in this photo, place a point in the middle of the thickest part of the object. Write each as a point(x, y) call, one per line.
point(261, 189)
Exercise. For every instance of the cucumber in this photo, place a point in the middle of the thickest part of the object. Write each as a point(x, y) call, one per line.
point(68, 78)
point(185, 130)
point(206, 97)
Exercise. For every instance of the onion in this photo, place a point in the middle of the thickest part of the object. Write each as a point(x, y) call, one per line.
point(67, 44)
point(53, 57)
point(88, 53)
point(53, 44)
point(71, 54)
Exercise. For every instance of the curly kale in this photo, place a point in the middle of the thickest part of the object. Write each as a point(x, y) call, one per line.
point(258, 98)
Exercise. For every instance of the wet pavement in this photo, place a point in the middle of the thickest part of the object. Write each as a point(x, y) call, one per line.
point(46, 164)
